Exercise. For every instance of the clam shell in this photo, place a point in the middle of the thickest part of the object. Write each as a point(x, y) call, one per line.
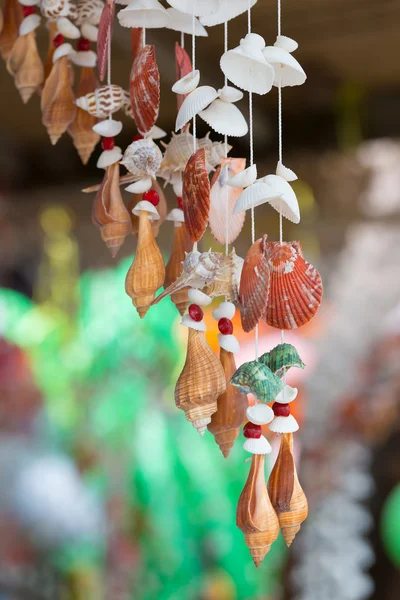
point(149, 14)
point(183, 22)
point(257, 446)
point(227, 10)
point(285, 200)
point(86, 58)
point(286, 173)
point(176, 215)
point(90, 32)
point(187, 84)
point(196, 195)
point(281, 358)
point(286, 43)
point(109, 157)
point(256, 194)
point(226, 226)
point(197, 297)
point(230, 94)
point(195, 102)
point(254, 285)
point(108, 128)
point(183, 66)
point(244, 178)
point(152, 211)
point(225, 118)
point(288, 71)
point(260, 414)
point(229, 343)
point(104, 37)
point(67, 29)
point(103, 101)
point(284, 425)
point(187, 321)
point(30, 23)
point(225, 309)
point(142, 158)
point(144, 89)
point(201, 7)
point(287, 395)
point(140, 186)
point(295, 287)
point(254, 377)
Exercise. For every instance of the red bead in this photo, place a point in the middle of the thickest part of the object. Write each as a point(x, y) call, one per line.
point(152, 197)
point(251, 430)
point(83, 45)
point(137, 137)
point(58, 40)
point(195, 312)
point(28, 10)
point(225, 326)
point(180, 202)
point(107, 143)
point(281, 410)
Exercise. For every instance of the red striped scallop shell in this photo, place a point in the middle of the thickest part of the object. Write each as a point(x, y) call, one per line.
point(183, 67)
point(254, 285)
point(196, 195)
point(144, 89)
point(295, 286)
point(104, 37)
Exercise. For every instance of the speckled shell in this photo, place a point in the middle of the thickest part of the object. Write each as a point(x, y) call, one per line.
point(145, 89)
point(173, 270)
point(196, 195)
point(12, 17)
point(142, 158)
point(281, 358)
point(81, 129)
point(52, 9)
point(89, 11)
point(254, 377)
point(224, 225)
point(183, 67)
point(103, 101)
point(295, 287)
point(25, 65)
point(57, 100)
point(254, 285)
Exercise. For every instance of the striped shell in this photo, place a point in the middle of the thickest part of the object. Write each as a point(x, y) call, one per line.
point(196, 195)
point(142, 158)
point(89, 11)
point(52, 9)
point(104, 37)
point(255, 378)
point(103, 101)
point(224, 225)
point(145, 89)
point(254, 285)
point(295, 286)
point(281, 358)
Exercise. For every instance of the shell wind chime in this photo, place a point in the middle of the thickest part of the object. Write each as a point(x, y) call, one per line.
point(274, 283)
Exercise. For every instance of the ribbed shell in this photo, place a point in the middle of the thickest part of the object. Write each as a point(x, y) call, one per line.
point(196, 195)
point(295, 287)
point(224, 225)
point(173, 270)
point(136, 41)
point(57, 101)
point(281, 358)
point(145, 89)
point(25, 65)
point(81, 129)
point(180, 149)
point(12, 17)
point(142, 158)
point(104, 37)
point(256, 378)
point(254, 285)
point(103, 101)
point(89, 11)
point(183, 67)
point(52, 9)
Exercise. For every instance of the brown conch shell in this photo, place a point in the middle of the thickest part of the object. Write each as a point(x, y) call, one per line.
point(201, 382)
point(109, 211)
point(57, 101)
point(161, 208)
point(196, 195)
point(182, 245)
point(81, 129)
point(287, 496)
point(255, 515)
point(12, 17)
point(104, 36)
point(232, 404)
point(295, 286)
point(147, 272)
point(254, 285)
point(183, 67)
point(144, 89)
point(226, 226)
point(25, 65)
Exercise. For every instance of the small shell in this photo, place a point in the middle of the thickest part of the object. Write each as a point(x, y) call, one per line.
point(187, 321)
point(254, 285)
point(281, 358)
point(25, 66)
point(224, 225)
point(254, 377)
point(149, 14)
point(196, 195)
point(144, 89)
point(109, 157)
point(286, 173)
point(260, 414)
point(284, 425)
point(225, 118)
point(86, 58)
point(256, 194)
point(286, 43)
point(257, 446)
point(29, 24)
point(142, 158)
point(197, 297)
point(183, 22)
point(230, 94)
point(108, 128)
point(183, 67)
point(103, 101)
point(67, 29)
point(104, 37)
point(81, 129)
point(153, 214)
point(90, 32)
point(201, 7)
point(285, 200)
point(194, 103)
point(156, 133)
point(53, 9)
point(187, 84)
point(244, 178)
point(224, 310)
point(176, 215)
point(29, 2)
point(287, 395)
point(288, 71)
point(140, 186)
point(63, 50)
point(227, 11)
point(89, 11)
point(229, 343)
point(57, 100)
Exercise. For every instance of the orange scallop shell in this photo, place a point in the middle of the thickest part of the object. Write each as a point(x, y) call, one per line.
point(254, 285)
point(295, 286)
point(104, 37)
point(144, 89)
point(196, 195)
point(183, 67)
point(224, 224)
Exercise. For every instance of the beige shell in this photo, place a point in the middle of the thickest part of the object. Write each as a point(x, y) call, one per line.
point(53, 9)
point(182, 244)
point(81, 129)
point(104, 101)
point(89, 12)
point(255, 515)
point(201, 382)
point(12, 17)
point(231, 409)
point(142, 158)
point(162, 209)
point(286, 493)
point(57, 101)
point(147, 272)
point(25, 65)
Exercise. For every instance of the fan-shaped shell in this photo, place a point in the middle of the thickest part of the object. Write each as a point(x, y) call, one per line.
point(145, 89)
point(284, 200)
point(281, 358)
point(103, 101)
point(187, 84)
point(196, 195)
point(286, 173)
point(256, 194)
point(295, 287)
point(288, 71)
point(284, 425)
point(225, 118)
point(260, 414)
point(195, 102)
point(108, 128)
point(244, 178)
point(226, 226)
point(227, 11)
point(149, 14)
point(230, 94)
point(142, 158)
point(183, 22)
point(201, 7)
point(286, 43)
point(254, 285)
point(104, 37)
point(257, 446)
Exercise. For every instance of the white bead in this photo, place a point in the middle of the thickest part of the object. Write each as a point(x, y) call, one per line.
point(287, 395)
point(140, 186)
point(197, 297)
point(257, 446)
point(109, 157)
point(61, 51)
point(284, 425)
point(29, 24)
point(224, 310)
point(228, 343)
point(149, 207)
point(187, 321)
point(108, 128)
point(260, 414)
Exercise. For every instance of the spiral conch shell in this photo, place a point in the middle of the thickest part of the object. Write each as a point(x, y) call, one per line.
point(200, 383)
point(142, 158)
point(89, 11)
point(57, 101)
point(25, 65)
point(103, 101)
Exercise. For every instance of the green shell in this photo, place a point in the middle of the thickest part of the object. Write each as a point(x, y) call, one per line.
point(256, 378)
point(281, 358)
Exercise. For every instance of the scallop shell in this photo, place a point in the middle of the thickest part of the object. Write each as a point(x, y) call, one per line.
point(281, 358)
point(104, 37)
point(183, 22)
point(285, 200)
point(144, 89)
point(260, 414)
point(256, 194)
point(244, 178)
point(196, 195)
point(183, 66)
point(254, 285)
point(53, 9)
point(201, 7)
point(174, 267)
point(83, 128)
point(194, 103)
point(149, 14)
point(295, 287)
point(57, 100)
point(230, 94)
point(225, 118)
point(224, 225)
point(142, 158)
point(89, 12)
point(187, 84)
point(284, 425)
point(287, 395)
point(257, 446)
point(227, 11)
point(137, 41)
point(25, 65)
point(288, 71)
point(103, 101)
point(254, 377)
point(12, 17)
point(285, 172)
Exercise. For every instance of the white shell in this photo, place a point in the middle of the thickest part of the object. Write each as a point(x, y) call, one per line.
point(260, 414)
point(176, 215)
point(225, 118)
point(149, 14)
point(29, 24)
point(224, 310)
point(244, 178)
point(187, 321)
point(201, 7)
point(188, 83)
point(183, 22)
point(286, 43)
point(284, 425)
point(140, 186)
point(67, 29)
point(285, 172)
point(257, 446)
point(177, 186)
point(61, 51)
point(246, 66)
point(287, 395)
point(90, 32)
point(108, 128)
point(86, 58)
point(227, 10)
point(149, 207)
point(230, 94)
point(29, 2)
point(288, 71)
point(198, 297)
point(228, 343)
point(194, 103)
point(285, 200)
point(156, 133)
point(142, 158)
point(255, 195)
point(109, 157)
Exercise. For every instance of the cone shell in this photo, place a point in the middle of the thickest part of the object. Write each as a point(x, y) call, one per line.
point(196, 195)
point(183, 67)
point(161, 208)
point(285, 491)
point(12, 17)
point(182, 244)
point(225, 118)
point(147, 272)
point(256, 378)
point(81, 129)
point(255, 515)
point(200, 383)
point(57, 101)
point(145, 89)
point(104, 37)
point(103, 101)
point(194, 103)
point(224, 225)
point(254, 285)
point(25, 65)
point(231, 409)
point(295, 286)
point(281, 358)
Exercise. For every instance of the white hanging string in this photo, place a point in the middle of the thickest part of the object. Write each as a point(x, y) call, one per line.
point(182, 39)
point(226, 148)
point(109, 63)
point(193, 68)
point(280, 152)
point(144, 36)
